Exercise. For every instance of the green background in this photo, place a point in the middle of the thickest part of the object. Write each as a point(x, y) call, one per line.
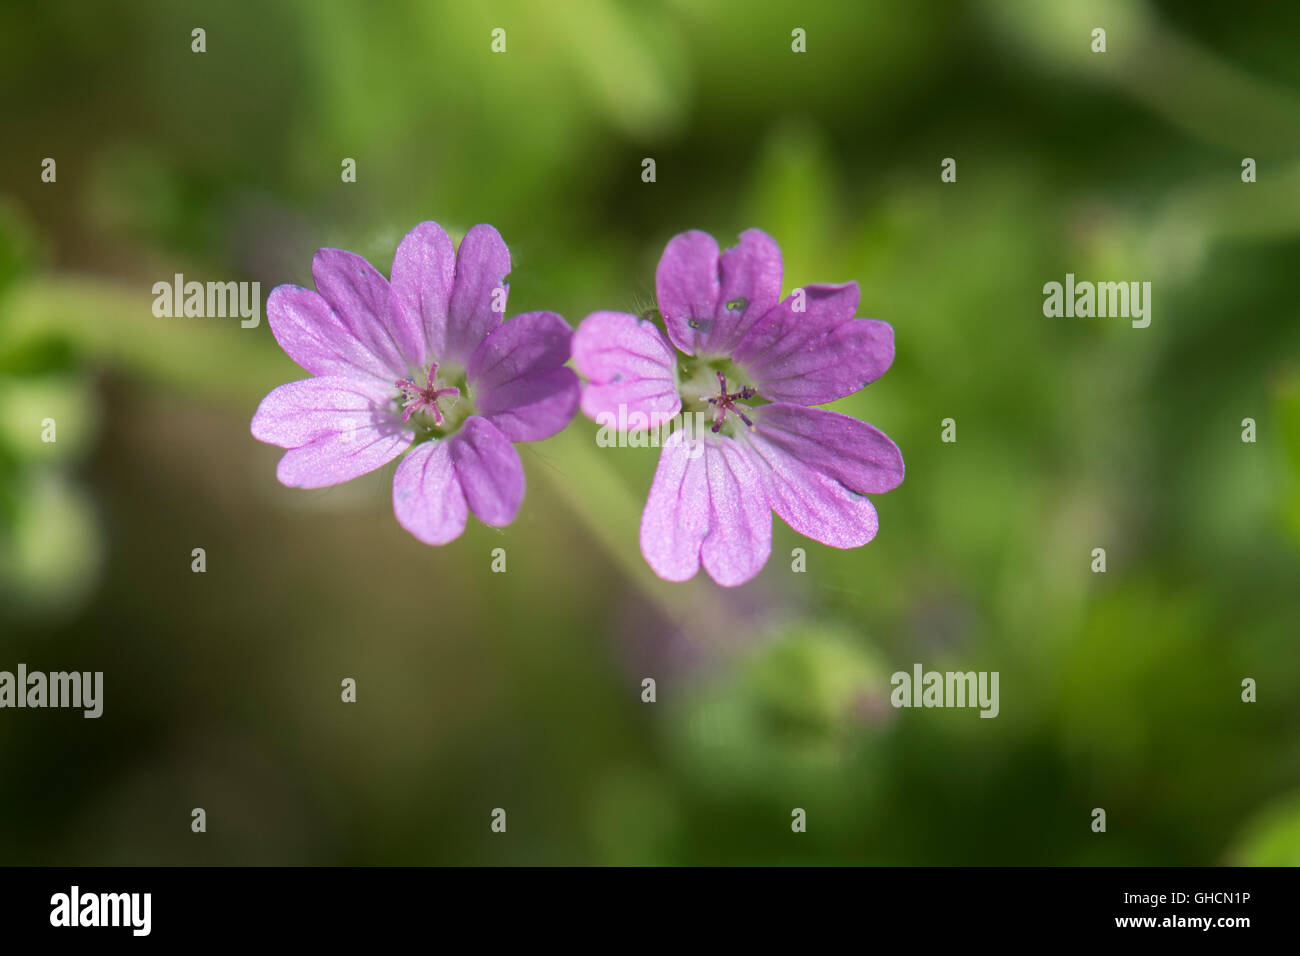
point(523, 690)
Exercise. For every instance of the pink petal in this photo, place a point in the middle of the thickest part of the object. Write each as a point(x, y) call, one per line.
point(813, 504)
point(533, 406)
point(427, 497)
point(818, 355)
point(489, 471)
point(300, 412)
point(740, 537)
point(629, 366)
point(532, 342)
point(709, 301)
point(751, 272)
point(518, 379)
point(676, 516)
point(816, 464)
point(706, 505)
point(482, 264)
point(687, 286)
point(424, 270)
point(337, 457)
point(315, 337)
point(364, 304)
point(857, 455)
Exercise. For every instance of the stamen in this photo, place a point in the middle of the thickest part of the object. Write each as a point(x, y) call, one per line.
point(415, 399)
point(725, 401)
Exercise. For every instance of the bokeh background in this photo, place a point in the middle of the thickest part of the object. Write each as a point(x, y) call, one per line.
point(522, 690)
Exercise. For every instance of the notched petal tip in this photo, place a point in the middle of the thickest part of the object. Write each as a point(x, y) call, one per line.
point(489, 470)
point(629, 366)
point(706, 507)
point(428, 501)
point(479, 292)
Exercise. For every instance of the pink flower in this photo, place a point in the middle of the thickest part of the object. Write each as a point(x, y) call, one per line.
point(422, 363)
point(750, 367)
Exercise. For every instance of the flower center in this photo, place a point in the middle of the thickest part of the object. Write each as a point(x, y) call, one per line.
point(726, 401)
point(415, 399)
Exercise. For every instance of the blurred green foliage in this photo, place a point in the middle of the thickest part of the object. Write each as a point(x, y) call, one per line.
point(523, 690)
